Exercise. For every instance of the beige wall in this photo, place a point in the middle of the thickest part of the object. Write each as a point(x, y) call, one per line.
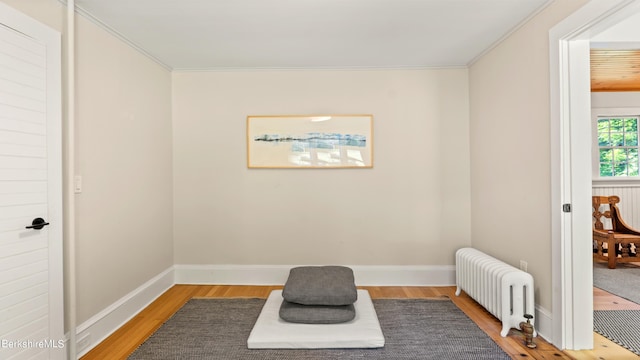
point(411, 208)
point(510, 148)
point(123, 117)
point(124, 156)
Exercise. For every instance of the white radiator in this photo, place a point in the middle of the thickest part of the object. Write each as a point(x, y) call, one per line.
point(505, 291)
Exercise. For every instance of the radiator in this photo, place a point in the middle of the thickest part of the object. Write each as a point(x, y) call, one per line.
point(505, 291)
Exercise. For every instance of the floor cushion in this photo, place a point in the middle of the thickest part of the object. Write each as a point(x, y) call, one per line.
point(316, 314)
point(320, 285)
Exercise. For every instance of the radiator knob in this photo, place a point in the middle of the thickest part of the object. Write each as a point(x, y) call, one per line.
point(527, 329)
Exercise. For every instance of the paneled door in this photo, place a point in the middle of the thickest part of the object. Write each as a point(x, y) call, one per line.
point(31, 287)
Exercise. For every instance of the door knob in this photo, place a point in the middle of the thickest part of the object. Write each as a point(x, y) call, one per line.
point(37, 224)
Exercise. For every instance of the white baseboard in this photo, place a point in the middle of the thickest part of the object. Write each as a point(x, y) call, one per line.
point(365, 275)
point(544, 323)
point(93, 331)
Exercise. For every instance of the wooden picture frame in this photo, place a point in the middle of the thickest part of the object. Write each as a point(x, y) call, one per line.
point(310, 141)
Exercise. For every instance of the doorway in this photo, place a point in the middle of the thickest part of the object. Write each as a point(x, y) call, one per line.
point(571, 168)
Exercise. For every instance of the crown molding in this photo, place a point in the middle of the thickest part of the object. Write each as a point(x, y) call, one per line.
point(337, 68)
point(510, 32)
point(87, 15)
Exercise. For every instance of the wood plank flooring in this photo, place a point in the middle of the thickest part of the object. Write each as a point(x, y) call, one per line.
point(125, 340)
point(603, 348)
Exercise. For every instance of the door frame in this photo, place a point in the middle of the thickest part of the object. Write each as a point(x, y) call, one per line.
point(30, 27)
point(572, 280)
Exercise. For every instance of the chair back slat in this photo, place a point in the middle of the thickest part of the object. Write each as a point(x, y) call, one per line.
point(606, 201)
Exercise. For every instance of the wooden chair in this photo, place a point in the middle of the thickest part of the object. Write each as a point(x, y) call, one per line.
point(620, 234)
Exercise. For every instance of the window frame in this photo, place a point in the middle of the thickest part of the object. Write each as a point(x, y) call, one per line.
point(595, 148)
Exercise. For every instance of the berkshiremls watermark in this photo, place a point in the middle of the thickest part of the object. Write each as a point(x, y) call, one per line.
point(30, 344)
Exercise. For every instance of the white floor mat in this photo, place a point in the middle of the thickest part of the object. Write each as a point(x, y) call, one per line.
point(271, 332)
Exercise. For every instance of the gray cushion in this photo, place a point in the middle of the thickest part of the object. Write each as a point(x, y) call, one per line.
point(316, 314)
point(320, 285)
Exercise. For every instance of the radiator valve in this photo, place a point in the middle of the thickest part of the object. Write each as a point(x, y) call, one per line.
point(527, 330)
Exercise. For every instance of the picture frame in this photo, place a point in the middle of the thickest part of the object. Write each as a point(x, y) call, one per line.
point(310, 141)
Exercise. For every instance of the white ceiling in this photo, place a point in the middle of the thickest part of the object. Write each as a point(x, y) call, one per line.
point(273, 34)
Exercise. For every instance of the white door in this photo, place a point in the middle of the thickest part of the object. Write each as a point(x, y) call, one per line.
point(31, 288)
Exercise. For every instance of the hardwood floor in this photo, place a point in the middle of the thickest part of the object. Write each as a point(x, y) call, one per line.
point(125, 340)
point(603, 348)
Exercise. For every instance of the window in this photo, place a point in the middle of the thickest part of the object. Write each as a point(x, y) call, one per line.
point(618, 146)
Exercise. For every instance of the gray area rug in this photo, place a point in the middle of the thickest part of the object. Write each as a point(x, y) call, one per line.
point(413, 329)
point(623, 281)
point(620, 326)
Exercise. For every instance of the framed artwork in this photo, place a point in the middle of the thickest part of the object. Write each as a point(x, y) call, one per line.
point(310, 141)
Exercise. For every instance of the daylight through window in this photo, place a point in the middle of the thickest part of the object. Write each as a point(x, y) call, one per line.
point(618, 146)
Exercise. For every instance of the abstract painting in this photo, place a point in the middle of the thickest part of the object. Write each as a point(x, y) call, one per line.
point(310, 141)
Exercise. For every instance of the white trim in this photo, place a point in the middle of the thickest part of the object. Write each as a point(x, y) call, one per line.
point(72, 316)
point(544, 322)
point(579, 165)
point(100, 326)
point(569, 286)
point(425, 275)
point(327, 68)
point(365, 275)
point(628, 182)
